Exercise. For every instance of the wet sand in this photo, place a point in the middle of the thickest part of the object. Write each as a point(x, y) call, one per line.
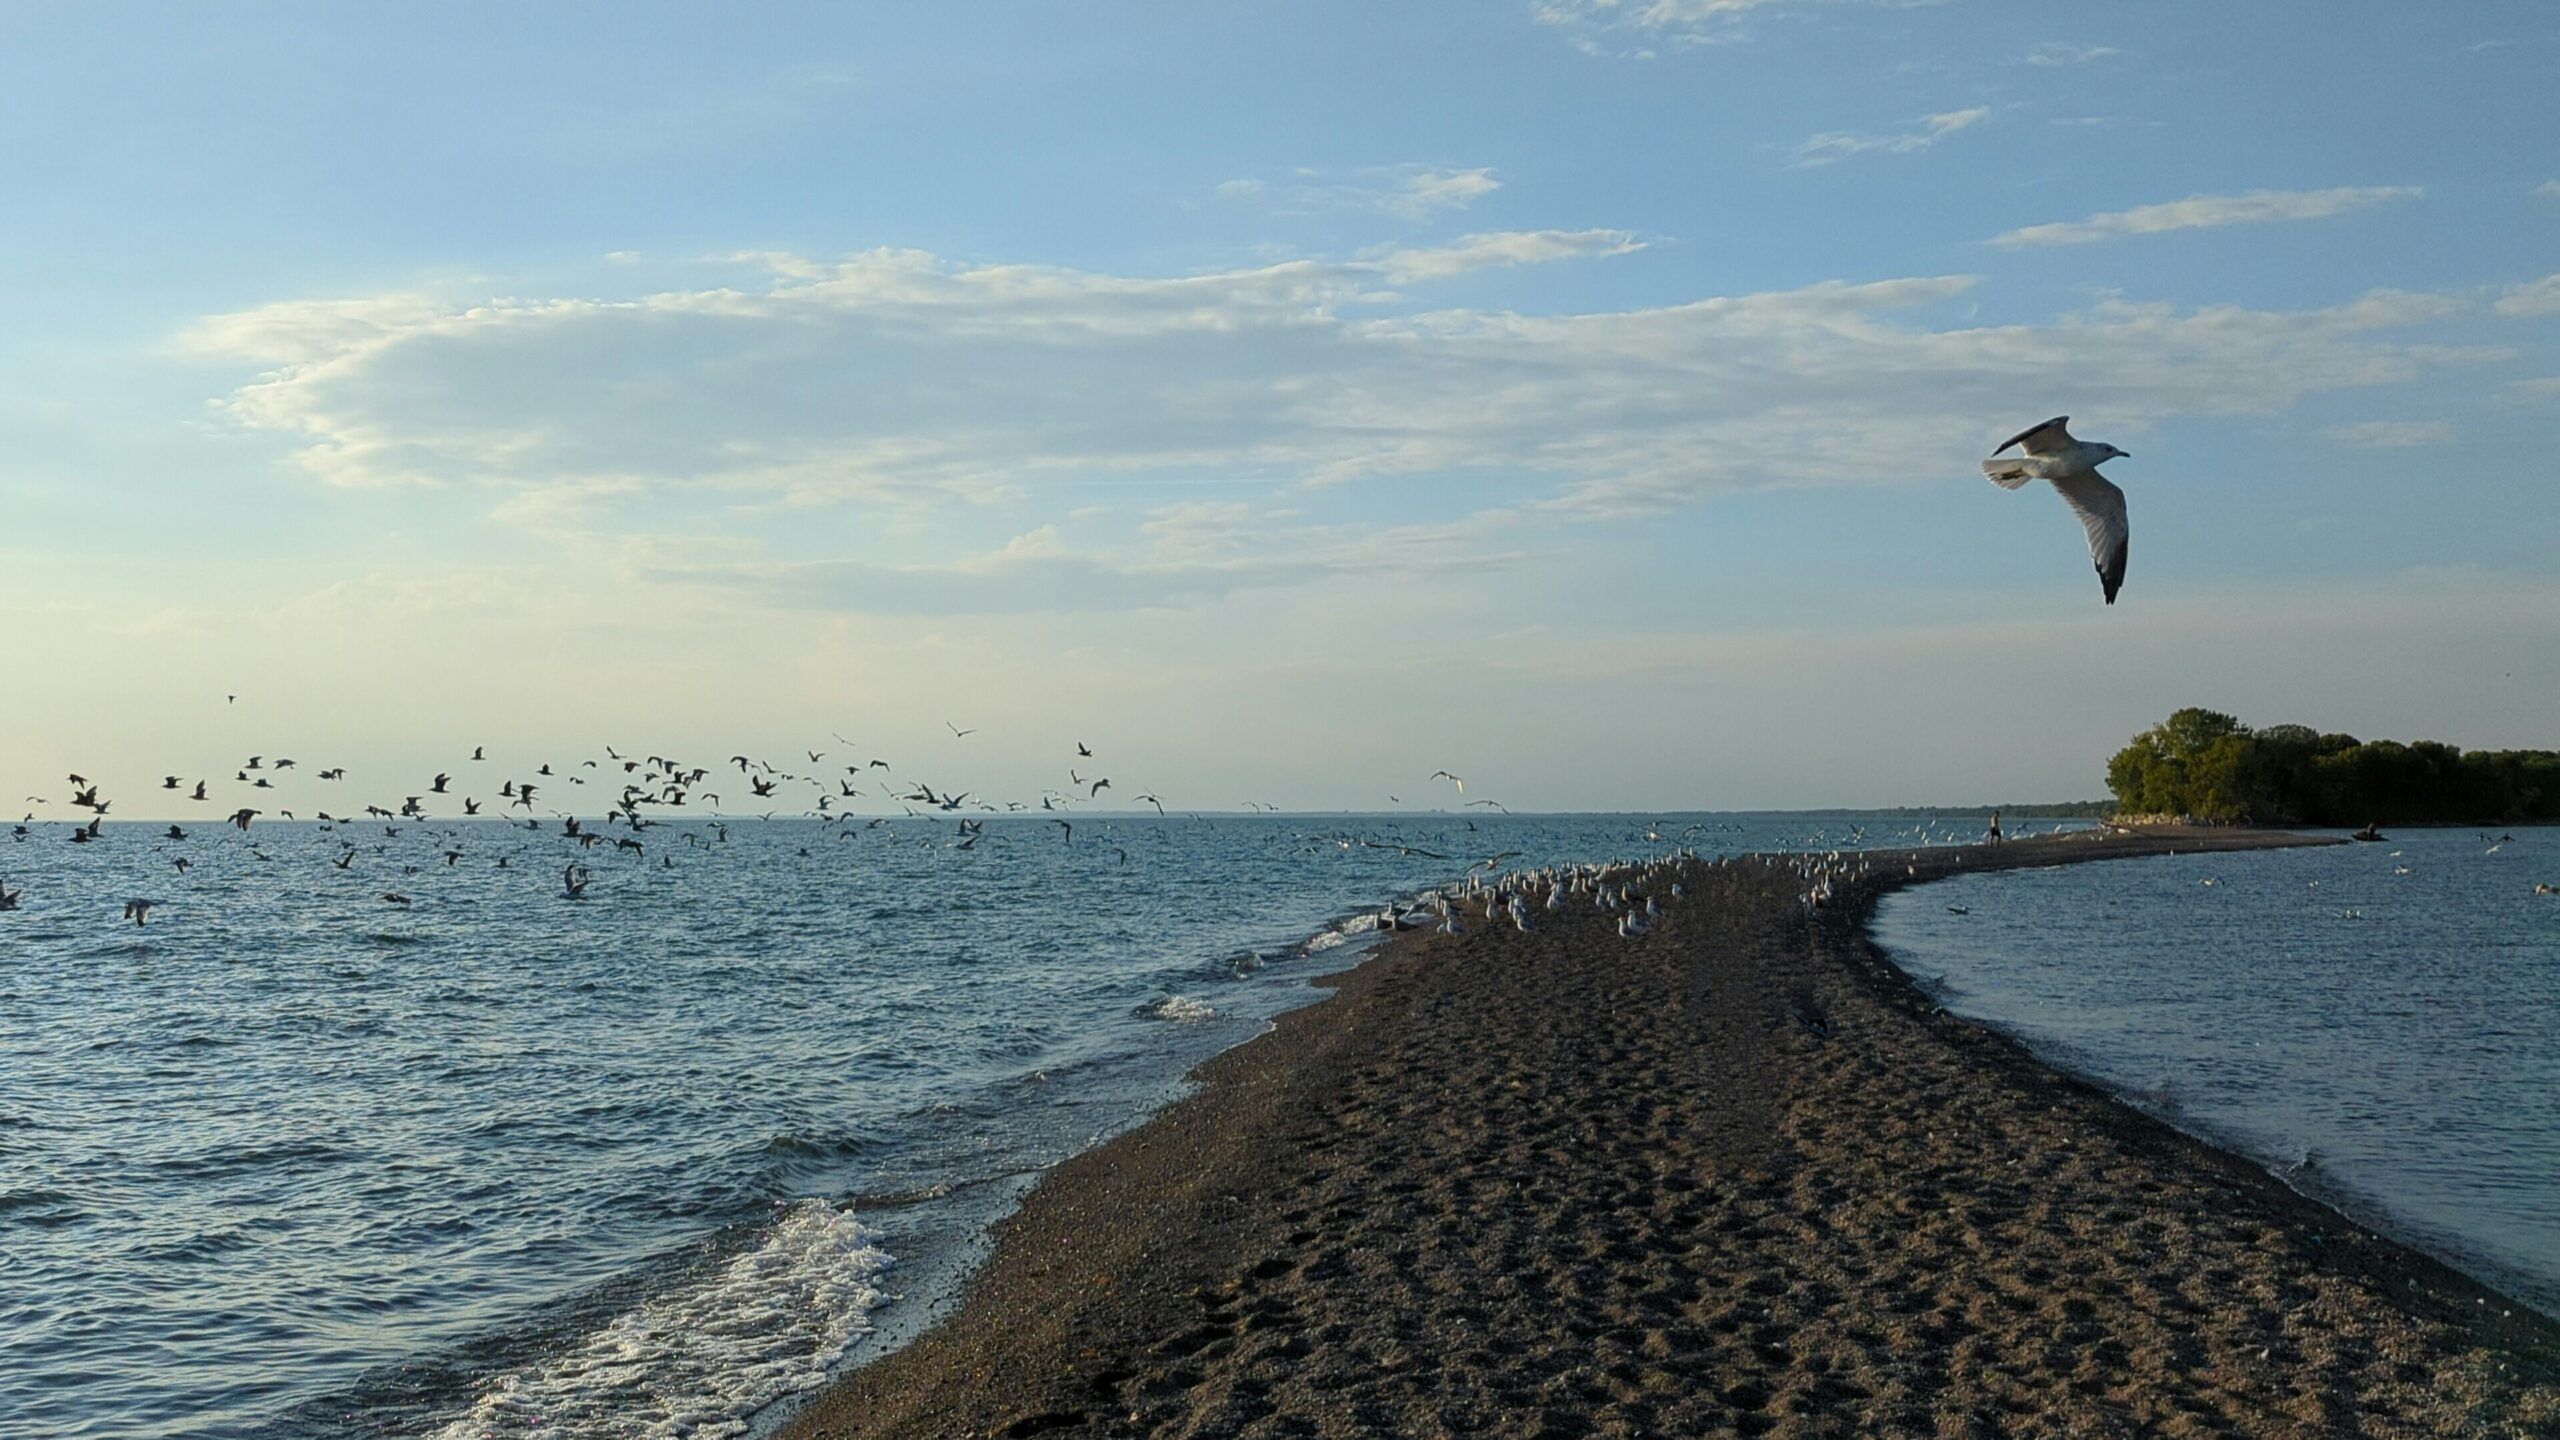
point(1732, 1177)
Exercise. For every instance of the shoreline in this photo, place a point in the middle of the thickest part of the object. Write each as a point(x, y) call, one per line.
point(1738, 1175)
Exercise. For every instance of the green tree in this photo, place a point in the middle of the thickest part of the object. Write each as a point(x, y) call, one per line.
point(2207, 764)
point(2174, 768)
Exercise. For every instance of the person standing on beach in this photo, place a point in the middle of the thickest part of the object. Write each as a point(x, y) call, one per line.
point(1995, 827)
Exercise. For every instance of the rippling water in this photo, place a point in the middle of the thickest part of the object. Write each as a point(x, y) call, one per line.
point(2378, 1023)
point(294, 1160)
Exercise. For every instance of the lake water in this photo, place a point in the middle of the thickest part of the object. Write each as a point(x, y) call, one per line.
point(2379, 1023)
point(295, 1159)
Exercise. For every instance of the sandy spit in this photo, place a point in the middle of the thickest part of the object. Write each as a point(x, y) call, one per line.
point(1732, 1177)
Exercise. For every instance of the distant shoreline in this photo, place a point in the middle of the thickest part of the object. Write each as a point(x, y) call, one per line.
point(1735, 1169)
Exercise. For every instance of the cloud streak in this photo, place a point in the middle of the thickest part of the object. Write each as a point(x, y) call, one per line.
point(2057, 54)
point(1407, 192)
point(1501, 250)
point(2392, 434)
point(1679, 24)
point(1837, 145)
point(2536, 297)
point(2202, 212)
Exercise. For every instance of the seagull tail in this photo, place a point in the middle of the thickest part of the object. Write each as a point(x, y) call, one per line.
point(2007, 474)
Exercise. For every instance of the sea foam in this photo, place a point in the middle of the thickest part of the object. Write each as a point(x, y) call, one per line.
point(1180, 1009)
point(700, 1360)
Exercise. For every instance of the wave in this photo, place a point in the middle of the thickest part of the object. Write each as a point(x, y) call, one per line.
point(700, 1360)
point(1180, 1009)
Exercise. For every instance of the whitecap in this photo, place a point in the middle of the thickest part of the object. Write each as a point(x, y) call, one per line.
point(1180, 1009)
point(700, 1360)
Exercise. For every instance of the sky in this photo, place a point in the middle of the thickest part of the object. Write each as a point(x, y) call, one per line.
point(1285, 401)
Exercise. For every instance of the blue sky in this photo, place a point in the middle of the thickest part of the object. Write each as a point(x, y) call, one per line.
point(1584, 396)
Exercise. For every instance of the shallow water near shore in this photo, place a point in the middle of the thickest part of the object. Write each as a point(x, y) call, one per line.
point(295, 1160)
point(2379, 1023)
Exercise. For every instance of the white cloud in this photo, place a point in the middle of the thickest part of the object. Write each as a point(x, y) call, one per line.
point(2550, 188)
point(2534, 297)
point(1837, 145)
point(2198, 212)
point(1435, 190)
point(1680, 24)
point(910, 385)
point(1408, 192)
point(2059, 53)
point(2534, 391)
point(295, 330)
point(2392, 434)
point(1502, 248)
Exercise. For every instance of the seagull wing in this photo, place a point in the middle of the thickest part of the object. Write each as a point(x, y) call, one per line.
point(2100, 506)
point(2045, 439)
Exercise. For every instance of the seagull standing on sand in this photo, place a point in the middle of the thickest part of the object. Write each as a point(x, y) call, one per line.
point(2047, 452)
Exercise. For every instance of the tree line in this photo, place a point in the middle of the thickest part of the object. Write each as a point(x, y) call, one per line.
point(2207, 764)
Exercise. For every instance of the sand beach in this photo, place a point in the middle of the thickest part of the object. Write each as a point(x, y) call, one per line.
point(1735, 1176)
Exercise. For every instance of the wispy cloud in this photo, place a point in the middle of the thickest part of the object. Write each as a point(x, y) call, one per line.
point(1408, 192)
point(2534, 297)
point(1502, 248)
point(1677, 23)
point(2060, 53)
point(906, 385)
point(2199, 212)
point(2548, 188)
point(2392, 434)
point(1837, 145)
point(1643, 29)
point(1435, 190)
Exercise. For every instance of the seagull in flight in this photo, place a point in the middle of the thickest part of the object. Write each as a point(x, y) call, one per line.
point(1452, 779)
point(2047, 452)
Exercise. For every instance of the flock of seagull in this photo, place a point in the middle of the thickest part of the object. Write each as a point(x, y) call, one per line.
point(634, 793)
point(1638, 892)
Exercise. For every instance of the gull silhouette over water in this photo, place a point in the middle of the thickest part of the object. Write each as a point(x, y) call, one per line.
point(2047, 452)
